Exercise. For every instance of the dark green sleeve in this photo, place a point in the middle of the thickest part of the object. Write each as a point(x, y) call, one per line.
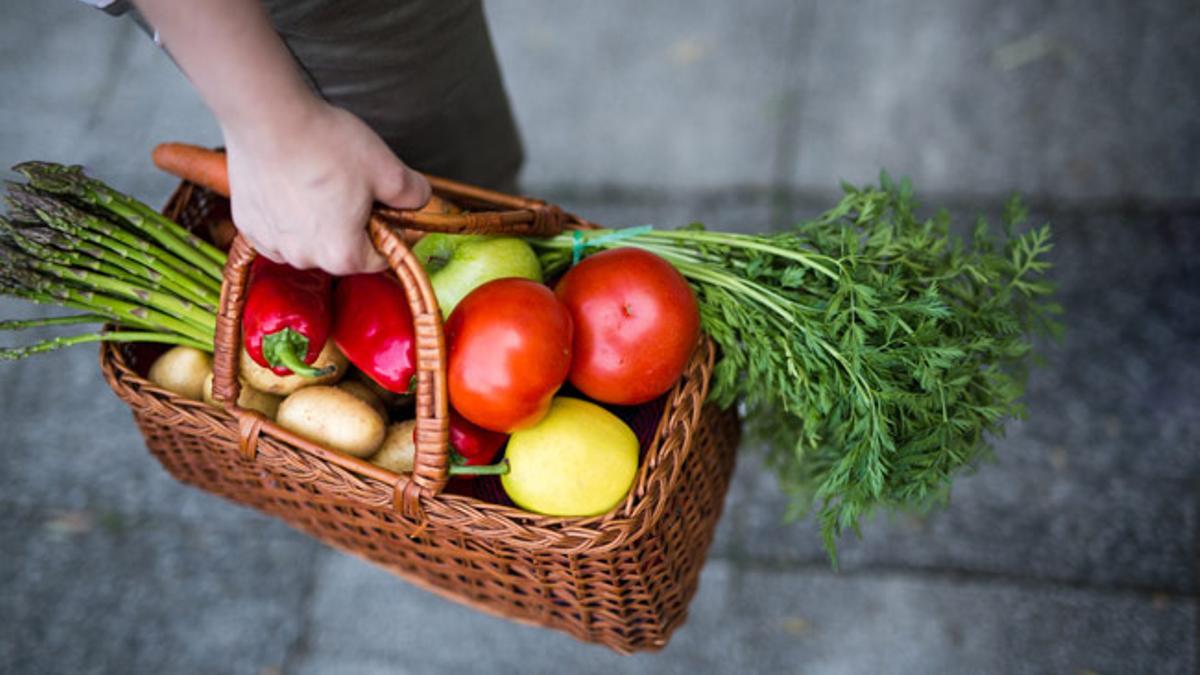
point(422, 73)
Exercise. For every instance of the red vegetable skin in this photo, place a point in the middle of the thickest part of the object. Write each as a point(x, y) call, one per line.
point(287, 317)
point(373, 326)
point(470, 444)
point(509, 345)
point(636, 325)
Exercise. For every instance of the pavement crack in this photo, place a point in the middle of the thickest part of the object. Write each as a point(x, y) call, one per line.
point(959, 575)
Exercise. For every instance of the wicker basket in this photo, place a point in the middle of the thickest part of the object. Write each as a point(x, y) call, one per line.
point(623, 579)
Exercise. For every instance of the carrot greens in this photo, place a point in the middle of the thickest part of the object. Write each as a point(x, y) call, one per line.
point(874, 352)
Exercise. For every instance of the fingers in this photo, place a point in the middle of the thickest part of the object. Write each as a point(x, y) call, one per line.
point(372, 260)
point(350, 255)
point(249, 225)
point(263, 249)
point(337, 250)
point(400, 187)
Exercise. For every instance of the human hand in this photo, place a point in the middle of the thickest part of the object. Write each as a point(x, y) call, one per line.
point(302, 187)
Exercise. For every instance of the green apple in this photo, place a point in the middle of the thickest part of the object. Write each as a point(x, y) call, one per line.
point(459, 263)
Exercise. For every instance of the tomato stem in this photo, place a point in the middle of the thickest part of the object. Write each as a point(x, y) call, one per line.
point(499, 469)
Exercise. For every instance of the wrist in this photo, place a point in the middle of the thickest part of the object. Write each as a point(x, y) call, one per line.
point(272, 124)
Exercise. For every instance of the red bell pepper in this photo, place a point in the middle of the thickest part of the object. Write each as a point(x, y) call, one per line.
point(287, 317)
point(471, 444)
point(373, 326)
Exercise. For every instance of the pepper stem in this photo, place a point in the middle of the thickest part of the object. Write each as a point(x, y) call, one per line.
point(498, 469)
point(284, 348)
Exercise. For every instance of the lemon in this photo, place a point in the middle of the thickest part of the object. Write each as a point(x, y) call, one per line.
point(579, 460)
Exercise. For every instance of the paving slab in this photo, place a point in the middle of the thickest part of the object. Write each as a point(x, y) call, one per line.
point(68, 442)
point(1072, 99)
point(1010, 522)
point(823, 623)
point(680, 94)
point(751, 620)
point(87, 592)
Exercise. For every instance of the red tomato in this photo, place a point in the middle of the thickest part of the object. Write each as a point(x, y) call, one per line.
point(636, 325)
point(509, 345)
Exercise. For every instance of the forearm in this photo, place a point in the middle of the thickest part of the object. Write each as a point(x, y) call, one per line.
point(302, 173)
point(235, 60)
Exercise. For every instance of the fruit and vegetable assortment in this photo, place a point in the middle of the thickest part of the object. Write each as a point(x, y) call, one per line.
point(509, 349)
point(873, 352)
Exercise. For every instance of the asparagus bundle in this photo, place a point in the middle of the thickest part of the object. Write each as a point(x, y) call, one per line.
point(72, 241)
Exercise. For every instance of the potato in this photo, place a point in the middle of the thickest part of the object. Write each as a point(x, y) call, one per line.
point(268, 382)
point(182, 370)
point(250, 399)
point(398, 452)
point(363, 393)
point(333, 418)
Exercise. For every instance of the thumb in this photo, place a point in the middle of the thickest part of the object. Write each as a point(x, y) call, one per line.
point(400, 187)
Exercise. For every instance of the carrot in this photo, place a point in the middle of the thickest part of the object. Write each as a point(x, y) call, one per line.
point(201, 166)
point(206, 168)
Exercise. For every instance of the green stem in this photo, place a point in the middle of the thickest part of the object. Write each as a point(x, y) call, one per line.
point(182, 286)
point(170, 227)
point(162, 230)
point(128, 312)
point(72, 320)
point(498, 469)
point(107, 234)
point(73, 222)
point(15, 353)
point(70, 180)
point(670, 240)
point(749, 242)
point(43, 298)
point(164, 302)
point(51, 245)
point(80, 224)
point(288, 358)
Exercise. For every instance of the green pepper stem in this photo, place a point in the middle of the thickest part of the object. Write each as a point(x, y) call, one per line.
point(498, 469)
point(284, 353)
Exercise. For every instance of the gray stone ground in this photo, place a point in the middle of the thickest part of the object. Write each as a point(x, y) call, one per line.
point(1076, 552)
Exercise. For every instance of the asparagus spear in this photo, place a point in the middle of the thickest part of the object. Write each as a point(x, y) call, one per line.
point(172, 305)
point(70, 180)
point(42, 322)
point(51, 246)
point(78, 226)
point(73, 221)
point(15, 353)
point(34, 242)
point(18, 281)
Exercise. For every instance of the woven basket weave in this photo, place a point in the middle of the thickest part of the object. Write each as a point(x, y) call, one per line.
point(623, 579)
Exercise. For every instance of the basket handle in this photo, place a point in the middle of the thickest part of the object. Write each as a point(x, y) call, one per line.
point(431, 464)
point(524, 217)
